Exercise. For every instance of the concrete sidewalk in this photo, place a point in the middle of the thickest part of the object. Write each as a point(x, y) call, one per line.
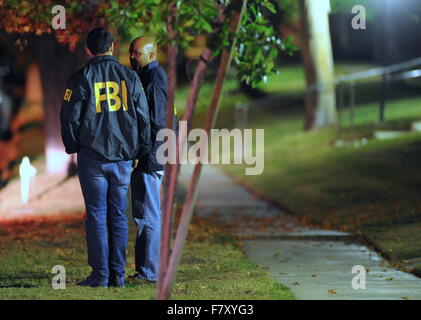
point(294, 255)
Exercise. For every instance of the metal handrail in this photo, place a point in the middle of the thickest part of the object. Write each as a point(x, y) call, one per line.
point(388, 73)
point(370, 73)
point(380, 71)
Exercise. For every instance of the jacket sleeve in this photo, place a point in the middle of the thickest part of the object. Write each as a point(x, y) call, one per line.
point(74, 101)
point(143, 120)
point(157, 100)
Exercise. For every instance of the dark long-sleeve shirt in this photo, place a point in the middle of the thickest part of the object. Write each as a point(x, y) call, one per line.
point(154, 80)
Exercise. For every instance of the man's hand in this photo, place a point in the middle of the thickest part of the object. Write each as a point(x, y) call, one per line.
point(135, 163)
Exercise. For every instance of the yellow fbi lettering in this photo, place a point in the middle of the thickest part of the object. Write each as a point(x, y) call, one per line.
point(67, 95)
point(111, 95)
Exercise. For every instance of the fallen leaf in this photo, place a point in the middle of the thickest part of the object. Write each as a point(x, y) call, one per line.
point(331, 291)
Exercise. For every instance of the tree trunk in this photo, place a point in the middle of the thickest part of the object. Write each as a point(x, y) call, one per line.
point(238, 7)
point(57, 64)
point(172, 171)
point(318, 63)
point(169, 172)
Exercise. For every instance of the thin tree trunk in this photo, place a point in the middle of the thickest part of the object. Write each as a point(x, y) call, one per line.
point(168, 192)
point(198, 78)
point(173, 170)
point(57, 64)
point(318, 62)
point(238, 10)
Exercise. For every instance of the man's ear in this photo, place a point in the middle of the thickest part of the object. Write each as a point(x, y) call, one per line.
point(152, 56)
point(112, 48)
point(89, 52)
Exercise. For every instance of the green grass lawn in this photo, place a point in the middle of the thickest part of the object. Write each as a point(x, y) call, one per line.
point(372, 190)
point(212, 266)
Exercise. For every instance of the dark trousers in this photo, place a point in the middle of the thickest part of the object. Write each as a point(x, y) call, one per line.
point(104, 187)
point(146, 206)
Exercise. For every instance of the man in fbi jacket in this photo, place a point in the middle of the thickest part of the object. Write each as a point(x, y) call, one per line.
point(105, 120)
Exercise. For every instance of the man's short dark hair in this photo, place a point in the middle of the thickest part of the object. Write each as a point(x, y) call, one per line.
point(99, 41)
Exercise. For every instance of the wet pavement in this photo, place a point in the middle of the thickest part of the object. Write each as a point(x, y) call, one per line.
point(323, 270)
point(315, 264)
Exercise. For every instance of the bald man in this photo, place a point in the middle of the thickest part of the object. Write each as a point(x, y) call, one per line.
point(147, 176)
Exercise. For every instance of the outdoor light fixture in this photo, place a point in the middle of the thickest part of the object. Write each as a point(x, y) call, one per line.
point(26, 172)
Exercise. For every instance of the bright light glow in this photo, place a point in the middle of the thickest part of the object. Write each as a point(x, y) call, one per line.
point(57, 161)
point(26, 172)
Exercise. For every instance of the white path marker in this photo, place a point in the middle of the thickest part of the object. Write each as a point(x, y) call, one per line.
point(26, 172)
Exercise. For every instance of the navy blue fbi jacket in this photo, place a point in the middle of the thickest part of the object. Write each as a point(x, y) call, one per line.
point(154, 81)
point(105, 112)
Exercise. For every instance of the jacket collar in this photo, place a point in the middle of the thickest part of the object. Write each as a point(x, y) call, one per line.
point(154, 64)
point(98, 59)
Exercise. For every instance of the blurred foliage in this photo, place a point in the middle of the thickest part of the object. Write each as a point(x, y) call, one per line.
point(194, 18)
point(290, 9)
point(34, 17)
point(258, 43)
point(258, 46)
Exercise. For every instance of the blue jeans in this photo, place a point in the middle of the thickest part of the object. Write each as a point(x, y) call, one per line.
point(104, 187)
point(146, 206)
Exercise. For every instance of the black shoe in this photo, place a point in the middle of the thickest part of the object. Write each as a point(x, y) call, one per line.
point(116, 281)
point(91, 282)
point(137, 279)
